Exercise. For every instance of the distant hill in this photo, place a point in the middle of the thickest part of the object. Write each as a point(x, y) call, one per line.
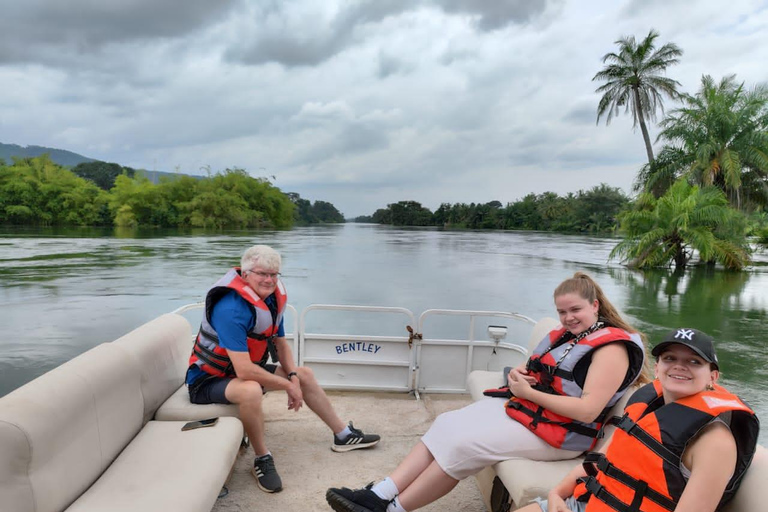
point(69, 159)
point(60, 156)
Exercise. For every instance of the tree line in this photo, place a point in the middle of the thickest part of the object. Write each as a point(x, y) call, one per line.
point(36, 191)
point(591, 211)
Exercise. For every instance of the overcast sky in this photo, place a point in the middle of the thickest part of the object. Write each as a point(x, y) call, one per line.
point(360, 103)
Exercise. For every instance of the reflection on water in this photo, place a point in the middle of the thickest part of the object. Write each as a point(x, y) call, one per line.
point(64, 291)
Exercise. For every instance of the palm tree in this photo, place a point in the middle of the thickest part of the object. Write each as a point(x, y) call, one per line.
point(685, 220)
point(719, 137)
point(633, 81)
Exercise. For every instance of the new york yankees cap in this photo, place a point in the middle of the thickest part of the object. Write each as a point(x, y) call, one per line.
point(694, 339)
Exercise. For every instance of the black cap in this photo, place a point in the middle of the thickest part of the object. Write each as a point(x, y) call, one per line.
point(694, 339)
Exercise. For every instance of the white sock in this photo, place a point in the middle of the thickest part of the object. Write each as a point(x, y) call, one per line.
point(260, 456)
point(343, 434)
point(395, 506)
point(386, 489)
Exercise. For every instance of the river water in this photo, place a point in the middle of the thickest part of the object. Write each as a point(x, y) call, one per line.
point(63, 291)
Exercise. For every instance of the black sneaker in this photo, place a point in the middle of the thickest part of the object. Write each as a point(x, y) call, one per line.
point(266, 475)
point(354, 441)
point(357, 500)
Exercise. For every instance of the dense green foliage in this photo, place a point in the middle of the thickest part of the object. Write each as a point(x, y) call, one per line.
point(103, 174)
point(633, 80)
point(686, 220)
point(712, 168)
point(594, 211)
point(719, 137)
point(319, 212)
point(36, 191)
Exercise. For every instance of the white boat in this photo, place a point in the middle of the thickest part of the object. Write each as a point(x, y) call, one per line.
point(103, 431)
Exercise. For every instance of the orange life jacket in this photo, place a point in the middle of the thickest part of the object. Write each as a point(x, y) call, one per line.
point(559, 364)
point(641, 470)
point(209, 355)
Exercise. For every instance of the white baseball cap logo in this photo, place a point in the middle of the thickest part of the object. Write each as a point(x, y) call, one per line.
point(685, 334)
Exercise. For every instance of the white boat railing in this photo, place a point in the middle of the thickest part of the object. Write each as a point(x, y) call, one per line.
point(363, 361)
point(443, 365)
point(417, 356)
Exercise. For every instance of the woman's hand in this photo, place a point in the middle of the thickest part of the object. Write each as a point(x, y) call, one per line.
point(522, 370)
point(519, 384)
point(555, 503)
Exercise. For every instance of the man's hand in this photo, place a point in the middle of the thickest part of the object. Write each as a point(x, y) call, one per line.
point(295, 397)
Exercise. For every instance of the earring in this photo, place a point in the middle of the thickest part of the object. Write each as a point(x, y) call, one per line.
point(710, 387)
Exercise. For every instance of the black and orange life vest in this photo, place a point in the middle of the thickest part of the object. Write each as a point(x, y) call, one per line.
point(209, 355)
point(559, 364)
point(641, 470)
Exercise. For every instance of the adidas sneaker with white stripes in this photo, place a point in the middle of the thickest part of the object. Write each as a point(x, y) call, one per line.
point(354, 441)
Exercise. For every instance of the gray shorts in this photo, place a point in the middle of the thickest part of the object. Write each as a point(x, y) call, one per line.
point(571, 503)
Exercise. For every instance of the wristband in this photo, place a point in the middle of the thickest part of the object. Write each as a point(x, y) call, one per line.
point(292, 374)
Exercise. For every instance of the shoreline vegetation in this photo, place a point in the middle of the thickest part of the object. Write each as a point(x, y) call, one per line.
point(703, 198)
point(38, 192)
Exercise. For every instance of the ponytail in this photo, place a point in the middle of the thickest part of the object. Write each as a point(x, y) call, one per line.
point(586, 287)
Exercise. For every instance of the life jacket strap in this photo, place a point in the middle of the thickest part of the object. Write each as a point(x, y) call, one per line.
point(597, 490)
point(212, 359)
point(629, 426)
point(595, 462)
point(271, 348)
point(535, 365)
point(538, 418)
point(208, 334)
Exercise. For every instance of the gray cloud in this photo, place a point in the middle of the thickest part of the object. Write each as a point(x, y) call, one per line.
point(583, 113)
point(273, 34)
point(635, 8)
point(50, 32)
point(293, 39)
point(497, 14)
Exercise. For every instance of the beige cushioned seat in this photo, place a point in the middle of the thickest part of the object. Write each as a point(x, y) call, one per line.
point(178, 407)
point(164, 469)
point(161, 348)
point(84, 424)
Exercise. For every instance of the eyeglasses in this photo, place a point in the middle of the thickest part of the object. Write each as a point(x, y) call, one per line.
point(264, 275)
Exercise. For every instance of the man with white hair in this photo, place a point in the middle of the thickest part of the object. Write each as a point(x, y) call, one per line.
point(242, 327)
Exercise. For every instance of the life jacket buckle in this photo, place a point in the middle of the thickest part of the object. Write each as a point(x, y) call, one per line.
point(592, 485)
point(626, 423)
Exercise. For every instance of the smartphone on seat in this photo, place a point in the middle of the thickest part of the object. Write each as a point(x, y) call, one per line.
point(200, 424)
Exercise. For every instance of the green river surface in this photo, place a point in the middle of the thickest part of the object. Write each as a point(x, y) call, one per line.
point(65, 291)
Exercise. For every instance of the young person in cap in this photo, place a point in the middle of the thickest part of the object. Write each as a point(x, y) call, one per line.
point(683, 444)
point(560, 398)
point(242, 327)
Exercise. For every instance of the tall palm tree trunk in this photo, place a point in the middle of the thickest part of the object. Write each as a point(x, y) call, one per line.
point(643, 128)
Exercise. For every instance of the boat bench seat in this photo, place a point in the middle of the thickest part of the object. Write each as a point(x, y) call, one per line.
point(82, 438)
point(161, 348)
point(528, 479)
